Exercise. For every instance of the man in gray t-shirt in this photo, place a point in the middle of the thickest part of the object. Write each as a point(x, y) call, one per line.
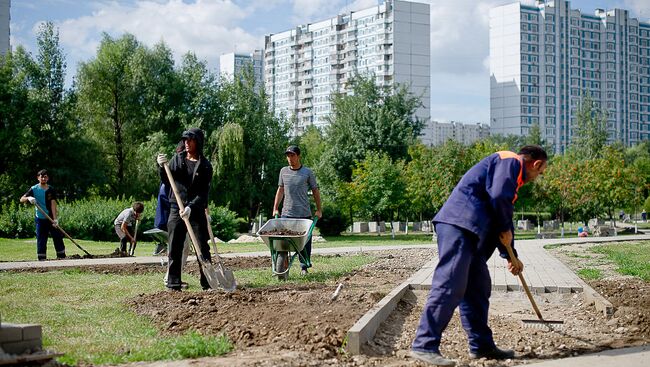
point(294, 183)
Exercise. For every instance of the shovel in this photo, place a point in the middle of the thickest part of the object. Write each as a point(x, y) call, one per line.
point(135, 236)
point(226, 277)
point(211, 274)
point(61, 229)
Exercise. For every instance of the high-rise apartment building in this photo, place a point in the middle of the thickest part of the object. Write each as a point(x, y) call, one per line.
point(4, 25)
point(232, 64)
point(437, 133)
point(305, 65)
point(545, 58)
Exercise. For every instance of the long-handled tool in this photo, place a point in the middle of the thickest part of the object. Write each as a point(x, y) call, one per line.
point(135, 238)
point(61, 229)
point(211, 274)
point(229, 283)
point(532, 300)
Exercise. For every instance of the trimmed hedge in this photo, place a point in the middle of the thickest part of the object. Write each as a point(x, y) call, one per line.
point(92, 219)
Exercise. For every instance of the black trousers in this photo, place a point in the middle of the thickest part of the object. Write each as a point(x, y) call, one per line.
point(177, 232)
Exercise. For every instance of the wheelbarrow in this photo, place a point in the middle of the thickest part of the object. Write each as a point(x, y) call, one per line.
point(282, 245)
point(160, 237)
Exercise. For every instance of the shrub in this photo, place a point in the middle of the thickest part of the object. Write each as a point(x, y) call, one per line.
point(17, 221)
point(92, 219)
point(224, 222)
point(333, 221)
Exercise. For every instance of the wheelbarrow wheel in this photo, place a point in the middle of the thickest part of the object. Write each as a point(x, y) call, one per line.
point(282, 265)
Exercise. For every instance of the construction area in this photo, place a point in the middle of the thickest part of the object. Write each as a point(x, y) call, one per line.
point(373, 319)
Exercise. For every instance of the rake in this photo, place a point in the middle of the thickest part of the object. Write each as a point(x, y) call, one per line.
point(61, 229)
point(540, 320)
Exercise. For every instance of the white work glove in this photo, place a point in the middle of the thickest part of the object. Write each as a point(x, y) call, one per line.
point(55, 223)
point(32, 200)
point(185, 214)
point(161, 159)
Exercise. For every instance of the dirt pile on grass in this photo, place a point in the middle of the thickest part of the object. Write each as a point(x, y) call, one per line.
point(295, 325)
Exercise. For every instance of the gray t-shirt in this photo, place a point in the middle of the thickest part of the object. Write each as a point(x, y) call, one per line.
point(296, 184)
point(127, 215)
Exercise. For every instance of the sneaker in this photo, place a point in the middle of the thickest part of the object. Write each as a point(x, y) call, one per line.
point(304, 272)
point(160, 249)
point(433, 358)
point(495, 353)
point(184, 285)
point(173, 289)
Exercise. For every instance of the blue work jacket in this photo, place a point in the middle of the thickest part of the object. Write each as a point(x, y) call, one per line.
point(483, 201)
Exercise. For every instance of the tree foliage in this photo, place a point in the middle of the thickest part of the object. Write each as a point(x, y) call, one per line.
point(590, 134)
point(370, 119)
point(378, 186)
point(252, 188)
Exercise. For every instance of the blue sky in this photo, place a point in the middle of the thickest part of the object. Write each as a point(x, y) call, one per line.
point(460, 84)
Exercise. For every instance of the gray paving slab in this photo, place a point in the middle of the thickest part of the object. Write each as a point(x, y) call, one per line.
point(624, 357)
point(542, 271)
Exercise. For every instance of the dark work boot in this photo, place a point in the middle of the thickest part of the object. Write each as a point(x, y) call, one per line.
point(495, 353)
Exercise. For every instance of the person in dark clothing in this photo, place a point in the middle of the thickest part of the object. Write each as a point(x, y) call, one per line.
point(192, 173)
point(162, 209)
point(473, 222)
point(44, 196)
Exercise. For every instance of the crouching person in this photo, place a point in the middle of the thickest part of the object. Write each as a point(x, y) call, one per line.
point(124, 225)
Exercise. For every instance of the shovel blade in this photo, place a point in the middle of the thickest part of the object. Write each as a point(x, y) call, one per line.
point(218, 278)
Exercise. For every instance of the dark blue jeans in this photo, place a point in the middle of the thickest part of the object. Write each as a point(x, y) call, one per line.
point(461, 279)
point(43, 228)
point(307, 247)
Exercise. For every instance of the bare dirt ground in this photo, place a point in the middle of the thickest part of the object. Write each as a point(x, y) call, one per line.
point(297, 325)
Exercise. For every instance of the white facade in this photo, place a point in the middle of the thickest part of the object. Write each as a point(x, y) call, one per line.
point(545, 58)
point(305, 65)
point(5, 17)
point(437, 133)
point(232, 64)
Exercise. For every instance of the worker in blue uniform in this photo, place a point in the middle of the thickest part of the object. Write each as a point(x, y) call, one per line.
point(475, 220)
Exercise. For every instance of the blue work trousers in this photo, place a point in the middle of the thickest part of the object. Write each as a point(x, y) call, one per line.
point(43, 229)
point(461, 279)
point(307, 247)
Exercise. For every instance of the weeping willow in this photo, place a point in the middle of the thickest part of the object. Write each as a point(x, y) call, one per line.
point(230, 148)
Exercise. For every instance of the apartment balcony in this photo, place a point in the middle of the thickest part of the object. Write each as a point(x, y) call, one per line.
point(305, 104)
point(306, 38)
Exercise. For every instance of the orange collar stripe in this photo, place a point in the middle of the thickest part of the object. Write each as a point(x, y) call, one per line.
point(520, 178)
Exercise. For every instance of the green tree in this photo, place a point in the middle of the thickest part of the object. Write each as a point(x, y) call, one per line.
point(108, 101)
point(312, 146)
point(264, 141)
point(420, 188)
point(370, 118)
point(40, 127)
point(378, 186)
point(590, 133)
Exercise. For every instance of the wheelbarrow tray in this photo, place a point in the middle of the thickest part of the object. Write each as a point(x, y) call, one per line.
point(158, 234)
point(286, 242)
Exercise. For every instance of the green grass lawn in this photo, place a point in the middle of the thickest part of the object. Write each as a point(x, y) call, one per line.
point(25, 249)
point(630, 258)
point(85, 316)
